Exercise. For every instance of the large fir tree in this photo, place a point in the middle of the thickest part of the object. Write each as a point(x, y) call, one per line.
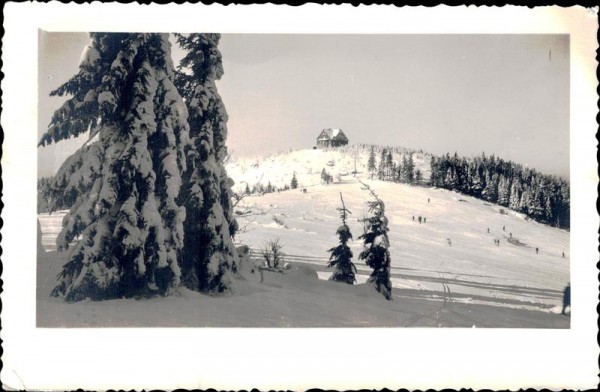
point(209, 253)
point(145, 177)
point(126, 183)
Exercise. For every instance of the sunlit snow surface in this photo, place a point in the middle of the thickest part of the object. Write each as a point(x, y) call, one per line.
point(471, 282)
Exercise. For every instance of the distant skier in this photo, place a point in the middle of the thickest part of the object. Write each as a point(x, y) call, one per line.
point(424, 220)
point(420, 219)
point(427, 200)
point(510, 235)
point(537, 250)
point(449, 241)
point(503, 228)
point(563, 254)
point(566, 299)
point(488, 230)
point(413, 218)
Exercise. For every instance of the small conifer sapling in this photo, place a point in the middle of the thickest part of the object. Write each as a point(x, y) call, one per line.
point(341, 255)
point(376, 243)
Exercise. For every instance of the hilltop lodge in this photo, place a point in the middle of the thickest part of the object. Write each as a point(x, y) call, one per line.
point(331, 137)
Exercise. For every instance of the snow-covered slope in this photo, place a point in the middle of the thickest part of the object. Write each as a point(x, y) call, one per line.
point(340, 162)
point(447, 271)
point(451, 251)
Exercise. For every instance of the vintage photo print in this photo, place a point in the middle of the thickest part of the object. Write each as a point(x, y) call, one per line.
point(300, 190)
point(197, 169)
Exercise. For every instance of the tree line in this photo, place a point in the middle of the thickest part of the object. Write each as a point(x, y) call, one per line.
point(543, 198)
point(389, 170)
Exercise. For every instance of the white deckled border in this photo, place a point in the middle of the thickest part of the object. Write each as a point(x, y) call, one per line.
point(303, 358)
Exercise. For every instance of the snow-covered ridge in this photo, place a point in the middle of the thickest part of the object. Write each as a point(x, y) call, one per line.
point(340, 162)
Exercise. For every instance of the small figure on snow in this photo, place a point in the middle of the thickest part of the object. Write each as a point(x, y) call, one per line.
point(413, 218)
point(510, 235)
point(488, 230)
point(449, 241)
point(566, 299)
point(427, 200)
point(503, 228)
point(563, 254)
point(424, 220)
point(420, 219)
point(537, 250)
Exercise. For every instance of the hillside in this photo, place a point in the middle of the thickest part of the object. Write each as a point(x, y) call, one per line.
point(451, 252)
point(340, 162)
point(446, 272)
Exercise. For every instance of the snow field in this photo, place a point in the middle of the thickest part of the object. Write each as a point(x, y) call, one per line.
point(453, 247)
point(473, 282)
point(297, 298)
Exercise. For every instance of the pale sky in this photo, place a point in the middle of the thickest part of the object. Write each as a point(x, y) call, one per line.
point(502, 94)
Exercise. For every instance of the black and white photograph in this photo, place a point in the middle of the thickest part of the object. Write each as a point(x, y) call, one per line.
point(277, 191)
point(294, 180)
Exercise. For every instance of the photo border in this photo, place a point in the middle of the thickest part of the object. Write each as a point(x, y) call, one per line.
point(240, 358)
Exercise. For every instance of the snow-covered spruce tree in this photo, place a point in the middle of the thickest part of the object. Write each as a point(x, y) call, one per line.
point(341, 255)
point(126, 183)
point(418, 177)
point(381, 167)
point(376, 243)
point(371, 163)
point(75, 179)
point(405, 169)
point(294, 182)
point(209, 253)
point(410, 169)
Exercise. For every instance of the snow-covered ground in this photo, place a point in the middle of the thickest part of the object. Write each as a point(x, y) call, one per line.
point(451, 250)
point(447, 272)
point(278, 169)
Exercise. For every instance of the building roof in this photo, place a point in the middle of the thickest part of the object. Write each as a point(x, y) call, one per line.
point(330, 133)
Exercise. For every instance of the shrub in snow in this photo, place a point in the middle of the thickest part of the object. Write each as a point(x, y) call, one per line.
point(272, 253)
point(376, 243)
point(341, 255)
point(326, 178)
